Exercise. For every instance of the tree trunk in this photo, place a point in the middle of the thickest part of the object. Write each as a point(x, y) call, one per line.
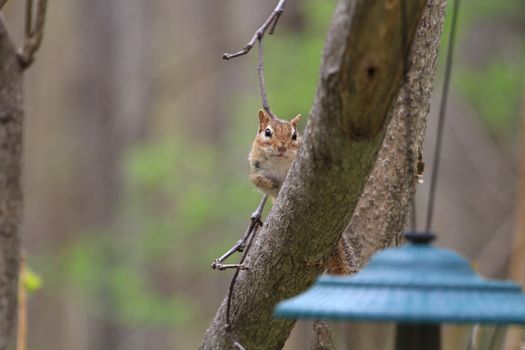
point(323, 336)
point(361, 77)
point(383, 209)
point(11, 125)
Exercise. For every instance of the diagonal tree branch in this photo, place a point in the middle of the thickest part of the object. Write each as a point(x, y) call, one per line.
point(374, 226)
point(11, 113)
point(383, 208)
point(361, 76)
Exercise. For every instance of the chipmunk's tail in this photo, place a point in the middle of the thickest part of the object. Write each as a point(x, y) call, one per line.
point(342, 262)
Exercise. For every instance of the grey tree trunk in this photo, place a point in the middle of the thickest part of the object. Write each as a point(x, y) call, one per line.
point(383, 209)
point(374, 227)
point(11, 125)
point(323, 337)
point(360, 82)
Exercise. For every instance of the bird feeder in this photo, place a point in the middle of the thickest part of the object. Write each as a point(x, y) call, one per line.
point(418, 287)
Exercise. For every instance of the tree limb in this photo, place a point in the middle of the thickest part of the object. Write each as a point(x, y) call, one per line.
point(361, 76)
point(11, 113)
point(391, 182)
point(382, 211)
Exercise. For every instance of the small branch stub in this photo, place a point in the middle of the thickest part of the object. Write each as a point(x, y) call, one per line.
point(33, 33)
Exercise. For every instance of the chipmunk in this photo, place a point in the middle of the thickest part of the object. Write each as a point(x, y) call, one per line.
point(272, 153)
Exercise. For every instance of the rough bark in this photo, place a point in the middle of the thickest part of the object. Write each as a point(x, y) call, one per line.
point(11, 114)
point(383, 209)
point(323, 337)
point(384, 206)
point(361, 75)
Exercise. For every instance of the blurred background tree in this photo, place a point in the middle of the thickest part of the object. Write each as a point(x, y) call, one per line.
point(137, 136)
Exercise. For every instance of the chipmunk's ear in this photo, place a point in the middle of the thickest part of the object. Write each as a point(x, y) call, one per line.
point(295, 120)
point(264, 119)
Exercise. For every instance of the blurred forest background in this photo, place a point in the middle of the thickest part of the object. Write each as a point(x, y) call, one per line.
point(136, 143)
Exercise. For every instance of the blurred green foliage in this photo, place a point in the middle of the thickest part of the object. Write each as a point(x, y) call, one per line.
point(170, 201)
point(30, 280)
point(495, 91)
point(185, 202)
point(494, 86)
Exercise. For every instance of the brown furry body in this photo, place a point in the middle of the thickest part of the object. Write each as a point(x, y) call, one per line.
point(272, 153)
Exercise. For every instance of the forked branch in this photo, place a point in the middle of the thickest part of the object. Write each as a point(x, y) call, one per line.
point(258, 37)
point(239, 246)
point(256, 217)
point(259, 34)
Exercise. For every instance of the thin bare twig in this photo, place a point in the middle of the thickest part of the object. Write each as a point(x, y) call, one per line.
point(254, 226)
point(250, 236)
point(278, 12)
point(259, 34)
point(256, 216)
point(234, 279)
point(262, 85)
point(223, 267)
point(34, 32)
point(255, 222)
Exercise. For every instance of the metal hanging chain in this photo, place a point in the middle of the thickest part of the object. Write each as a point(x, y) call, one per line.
point(442, 114)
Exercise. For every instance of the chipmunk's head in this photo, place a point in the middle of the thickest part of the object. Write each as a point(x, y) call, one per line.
point(278, 138)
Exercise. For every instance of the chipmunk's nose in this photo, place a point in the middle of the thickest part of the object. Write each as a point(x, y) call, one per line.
point(281, 149)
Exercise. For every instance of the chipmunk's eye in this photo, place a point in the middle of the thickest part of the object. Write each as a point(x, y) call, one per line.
point(268, 133)
point(294, 136)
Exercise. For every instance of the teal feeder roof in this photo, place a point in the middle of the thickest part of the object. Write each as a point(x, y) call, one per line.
point(415, 283)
